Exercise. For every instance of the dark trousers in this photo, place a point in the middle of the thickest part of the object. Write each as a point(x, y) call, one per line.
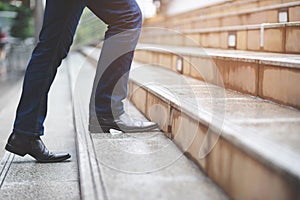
point(60, 22)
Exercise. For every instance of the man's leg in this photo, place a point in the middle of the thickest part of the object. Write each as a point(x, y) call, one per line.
point(124, 21)
point(60, 21)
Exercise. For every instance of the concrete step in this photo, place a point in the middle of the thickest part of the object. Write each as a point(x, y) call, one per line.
point(248, 146)
point(215, 9)
point(270, 76)
point(275, 13)
point(268, 37)
point(131, 166)
point(24, 178)
point(244, 144)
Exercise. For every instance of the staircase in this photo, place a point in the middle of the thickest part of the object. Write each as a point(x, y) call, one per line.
point(266, 26)
point(223, 84)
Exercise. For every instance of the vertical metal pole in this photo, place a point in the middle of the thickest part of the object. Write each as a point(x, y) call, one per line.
point(38, 18)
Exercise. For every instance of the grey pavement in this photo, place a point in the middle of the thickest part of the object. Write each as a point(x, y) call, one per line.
point(9, 83)
point(10, 88)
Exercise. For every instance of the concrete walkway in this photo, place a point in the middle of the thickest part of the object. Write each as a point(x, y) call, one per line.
point(10, 94)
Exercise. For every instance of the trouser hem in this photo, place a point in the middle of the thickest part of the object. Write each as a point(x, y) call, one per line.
point(21, 132)
point(109, 116)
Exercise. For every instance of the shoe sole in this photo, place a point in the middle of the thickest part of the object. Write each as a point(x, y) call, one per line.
point(19, 152)
point(53, 161)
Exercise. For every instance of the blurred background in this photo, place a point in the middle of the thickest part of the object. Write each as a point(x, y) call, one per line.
point(20, 22)
point(17, 35)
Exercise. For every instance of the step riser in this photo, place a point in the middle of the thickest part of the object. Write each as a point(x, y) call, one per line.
point(275, 83)
point(265, 16)
point(281, 39)
point(236, 172)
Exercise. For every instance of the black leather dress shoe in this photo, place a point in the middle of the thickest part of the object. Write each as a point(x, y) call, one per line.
point(34, 146)
point(126, 124)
